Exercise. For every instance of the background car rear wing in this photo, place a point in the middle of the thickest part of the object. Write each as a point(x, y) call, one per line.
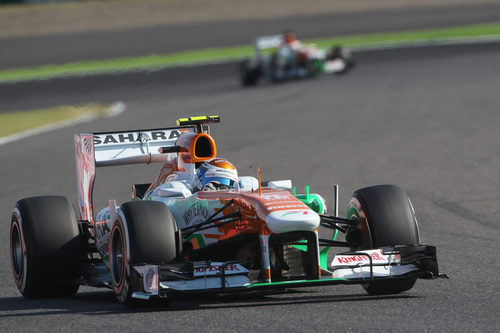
point(267, 42)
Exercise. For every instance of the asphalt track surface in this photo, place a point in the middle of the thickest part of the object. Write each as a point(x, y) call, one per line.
point(62, 48)
point(425, 119)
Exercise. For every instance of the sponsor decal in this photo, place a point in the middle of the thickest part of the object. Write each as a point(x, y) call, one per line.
point(241, 225)
point(275, 197)
point(284, 207)
point(197, 213)
point(231, 174)
point(359, 258)
point(281, 201)
point(215, 269)
point(130, 137)
point(295, 213)
point(102, 232)
point(376, 255)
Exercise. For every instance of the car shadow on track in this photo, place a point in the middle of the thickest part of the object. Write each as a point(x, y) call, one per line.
point(282, 299)
point(104, 303)
point(91, 302)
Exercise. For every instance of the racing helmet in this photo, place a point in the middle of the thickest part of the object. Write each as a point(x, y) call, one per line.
point(289, 37)
point(217, 174)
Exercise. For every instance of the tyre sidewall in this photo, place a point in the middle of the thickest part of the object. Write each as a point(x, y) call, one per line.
point(356, 211)
point(121, 284)
point(19, 273)
point(50, 244)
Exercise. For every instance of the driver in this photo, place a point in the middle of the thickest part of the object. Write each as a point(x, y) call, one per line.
point(216, 174)
point(290, 40)
point(290, 52)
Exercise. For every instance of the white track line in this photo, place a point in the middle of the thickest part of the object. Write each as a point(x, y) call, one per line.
point(114, 110)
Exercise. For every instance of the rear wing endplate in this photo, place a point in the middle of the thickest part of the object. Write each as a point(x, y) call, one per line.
point(117, 148)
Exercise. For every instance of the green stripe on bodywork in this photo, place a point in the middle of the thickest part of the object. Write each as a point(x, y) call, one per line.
point(301, 247)
point(315, 203)
point(204, 56)
point(199, 237)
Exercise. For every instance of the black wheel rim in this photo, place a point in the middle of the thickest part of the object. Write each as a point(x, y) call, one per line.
point(16, 250)
point(117, 257)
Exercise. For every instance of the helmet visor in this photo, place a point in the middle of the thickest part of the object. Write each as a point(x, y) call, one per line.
point(229, 183)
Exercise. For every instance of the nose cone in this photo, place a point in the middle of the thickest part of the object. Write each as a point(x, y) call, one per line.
point(292, 220)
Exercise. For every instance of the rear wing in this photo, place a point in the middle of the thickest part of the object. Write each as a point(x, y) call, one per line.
point(267, 42)
point(143, 146)
point(128, 147)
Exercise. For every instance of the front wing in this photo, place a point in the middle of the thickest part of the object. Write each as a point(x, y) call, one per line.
point(390, 263)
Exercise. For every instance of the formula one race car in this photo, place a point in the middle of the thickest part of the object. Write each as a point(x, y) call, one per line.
point(200, 228)
point(283, 57)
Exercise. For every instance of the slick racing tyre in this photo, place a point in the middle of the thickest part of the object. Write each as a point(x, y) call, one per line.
point(249, 73)
point(339, 53)
point(45, 247)
point(388, 219)
point(143, 232)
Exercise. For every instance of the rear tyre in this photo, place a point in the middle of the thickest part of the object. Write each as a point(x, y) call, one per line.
point(276, 73)
point(388, 219)
point(45, 247)
point(143, 232)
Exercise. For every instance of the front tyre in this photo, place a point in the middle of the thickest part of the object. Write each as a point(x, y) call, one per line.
point(387, 219)
point(249, 71)
point(341, 54)
point(45, 247)
point(143, 232)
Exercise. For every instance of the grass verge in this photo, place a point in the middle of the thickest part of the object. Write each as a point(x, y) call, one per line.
point(188, 58)
point(19, 121)
point(405, 37)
